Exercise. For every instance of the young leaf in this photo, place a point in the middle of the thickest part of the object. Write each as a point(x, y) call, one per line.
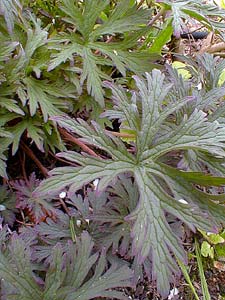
point(38, 206)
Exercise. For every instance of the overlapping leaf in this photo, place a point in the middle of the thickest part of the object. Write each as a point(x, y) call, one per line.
point(38, 207)
point(26, 99)
point(93, 51)
point(158, 133)
point(198, 10)
point(66, 275)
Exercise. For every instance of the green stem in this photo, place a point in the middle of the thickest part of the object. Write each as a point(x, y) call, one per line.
point(204, 285)
point(187, 278)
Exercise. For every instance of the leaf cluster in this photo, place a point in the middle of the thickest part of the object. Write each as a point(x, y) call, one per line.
point(108, 219)
point(154, 113)
point(65, 276)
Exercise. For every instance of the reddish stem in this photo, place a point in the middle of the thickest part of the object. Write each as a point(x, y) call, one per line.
point(108, 41)
point(31, 154)
point(76, 141)
point(120, 134)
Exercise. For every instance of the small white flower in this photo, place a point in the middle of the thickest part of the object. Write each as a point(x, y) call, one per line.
point(87, 220)
point(78, 223)
point(199, 86)
point(115, 52)
point(209, 233)
point(62, 195)
point(2, 207)
point(95, 183)
point(183, 201)
point(173, 293)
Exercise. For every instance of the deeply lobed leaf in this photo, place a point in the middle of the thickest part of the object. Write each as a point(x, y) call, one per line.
point(149, 113)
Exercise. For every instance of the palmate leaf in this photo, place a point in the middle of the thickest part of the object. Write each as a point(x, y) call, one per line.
point(102, 282)
point(109, 215)
point(28, 97)
point(84, 18)
point(124, 18)
point(40, 206)
point(158, 133)
point(89, 49)
point(105, 221)
point(67, 275)
point(40, 93)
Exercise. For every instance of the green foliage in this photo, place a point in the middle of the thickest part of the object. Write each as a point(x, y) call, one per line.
point(163, 37)
point(30, 93)
point(213, 246)
point(110, 219)
point(27, 100)
point(87, 45)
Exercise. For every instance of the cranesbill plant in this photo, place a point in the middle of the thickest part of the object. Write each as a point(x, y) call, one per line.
point(164, 189)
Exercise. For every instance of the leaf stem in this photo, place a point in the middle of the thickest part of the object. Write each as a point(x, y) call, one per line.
point(120, 134)
point(156, 17)
point(76, 141)
point(187, 278)
point(140, 4)
point(205, 291)
point(31, 154)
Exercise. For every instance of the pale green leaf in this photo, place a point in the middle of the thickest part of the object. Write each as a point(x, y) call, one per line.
point(36, 38)
point(207, 250)
point(11, 105)
point(180, 67)
point(93, 75)
point(66, 54)
point(39, 96)
point(215, 238)
point(162, 38)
